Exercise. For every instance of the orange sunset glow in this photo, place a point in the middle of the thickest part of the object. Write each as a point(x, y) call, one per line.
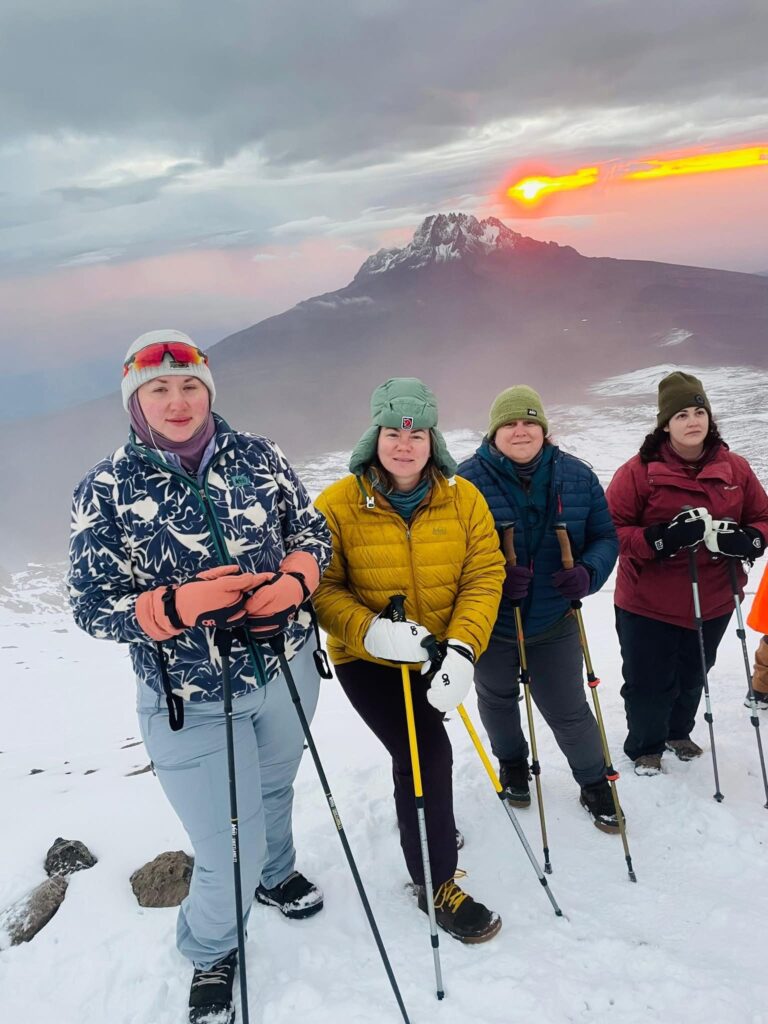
point(531, 190)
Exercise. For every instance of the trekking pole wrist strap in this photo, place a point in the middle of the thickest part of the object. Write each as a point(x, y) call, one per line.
point(169, 607)
point(305, 591)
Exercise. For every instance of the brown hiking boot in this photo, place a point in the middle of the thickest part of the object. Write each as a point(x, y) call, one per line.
point(459, 915)
point(648, 764)
point(597, 799)
point(684, 750)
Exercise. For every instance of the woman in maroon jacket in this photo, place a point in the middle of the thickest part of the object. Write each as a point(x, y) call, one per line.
point(680, 491)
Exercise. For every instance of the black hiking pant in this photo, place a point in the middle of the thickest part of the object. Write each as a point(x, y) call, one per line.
point(661, 665)
point(376, 693)
point(555, 666)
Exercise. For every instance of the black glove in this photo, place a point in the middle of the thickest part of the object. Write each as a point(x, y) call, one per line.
point(684, 531)
point(724, 537)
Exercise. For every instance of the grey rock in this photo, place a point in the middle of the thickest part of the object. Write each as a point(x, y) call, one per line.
point(24, 919)
point(164, 881)
point(67, 856)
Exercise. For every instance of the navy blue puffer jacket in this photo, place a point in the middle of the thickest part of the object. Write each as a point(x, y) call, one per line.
point(574, 497)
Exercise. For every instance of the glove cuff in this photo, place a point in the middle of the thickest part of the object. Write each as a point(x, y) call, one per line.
point(461, 648)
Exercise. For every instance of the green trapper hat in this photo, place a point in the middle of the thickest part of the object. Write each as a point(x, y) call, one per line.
point(403, 403)
point(517, 403)
point(678, 391)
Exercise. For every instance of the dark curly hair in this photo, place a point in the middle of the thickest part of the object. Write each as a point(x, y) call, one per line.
point(651, 446)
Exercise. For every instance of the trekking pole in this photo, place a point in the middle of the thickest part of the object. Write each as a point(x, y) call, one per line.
point(277, 643)
point(593, 682)
point(693, 572)
point(396, 612)
point(508, 541)
point(742, 635)
point(222, 639)
point(512, 816)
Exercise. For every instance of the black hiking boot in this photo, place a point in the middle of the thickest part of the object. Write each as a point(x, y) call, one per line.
point(597, 798)
point(761, 701)
point(295, 896)
point(459, 915)
point(210, 997)
point(514, 777)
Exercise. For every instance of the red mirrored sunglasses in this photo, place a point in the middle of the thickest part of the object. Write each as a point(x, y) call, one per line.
point(153, 355)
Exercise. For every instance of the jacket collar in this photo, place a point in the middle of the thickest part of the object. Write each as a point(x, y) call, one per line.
point(224, 439)
point(439, 494)
point(673, 470)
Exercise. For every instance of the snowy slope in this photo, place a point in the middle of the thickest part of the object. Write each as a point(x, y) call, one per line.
point(685, 943)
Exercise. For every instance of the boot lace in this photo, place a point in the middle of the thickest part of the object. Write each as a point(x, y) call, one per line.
point(449, 895)
point(216, 975)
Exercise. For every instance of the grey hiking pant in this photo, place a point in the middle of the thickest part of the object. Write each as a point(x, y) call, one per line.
point(192, 768)
point(557, 688)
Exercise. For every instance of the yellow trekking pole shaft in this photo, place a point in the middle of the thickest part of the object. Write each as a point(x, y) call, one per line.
point(508, 542)
point(396, 612)
point(500, 793)
point(593, 682)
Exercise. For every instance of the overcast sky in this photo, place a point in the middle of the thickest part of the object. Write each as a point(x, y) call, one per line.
point(204, 165)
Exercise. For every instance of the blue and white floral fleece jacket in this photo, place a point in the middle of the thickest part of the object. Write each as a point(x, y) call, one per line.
point(139, 522)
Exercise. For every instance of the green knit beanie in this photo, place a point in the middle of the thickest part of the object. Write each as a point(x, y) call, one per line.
point(517, 403)
point(403, 403)
point(679, 391)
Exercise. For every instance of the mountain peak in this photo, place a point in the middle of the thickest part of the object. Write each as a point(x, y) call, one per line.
point(442, 237)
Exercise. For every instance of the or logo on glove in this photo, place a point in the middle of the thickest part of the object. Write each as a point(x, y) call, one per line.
point(214, 598)
point(396, 641)
point(452, 674)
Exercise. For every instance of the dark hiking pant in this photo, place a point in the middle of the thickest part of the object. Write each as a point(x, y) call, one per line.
point(662, 678)
point(557, 688)
point(376, 693)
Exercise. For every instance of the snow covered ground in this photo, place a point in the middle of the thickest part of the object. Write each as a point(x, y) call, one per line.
point(686, 943)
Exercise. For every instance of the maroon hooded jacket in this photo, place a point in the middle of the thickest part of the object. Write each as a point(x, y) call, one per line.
point(642, 495)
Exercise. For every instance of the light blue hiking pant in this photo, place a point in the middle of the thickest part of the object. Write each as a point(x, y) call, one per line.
point(192, 768)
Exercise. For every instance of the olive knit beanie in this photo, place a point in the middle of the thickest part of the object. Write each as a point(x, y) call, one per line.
point(678, 391)
point(518, 403)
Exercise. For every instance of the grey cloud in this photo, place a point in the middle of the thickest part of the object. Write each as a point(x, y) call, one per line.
point(126, 193)
point(343, 82)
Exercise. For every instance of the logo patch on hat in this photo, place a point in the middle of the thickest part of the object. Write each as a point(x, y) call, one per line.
point(532, 412)
point(407, 423)
point(699, 399)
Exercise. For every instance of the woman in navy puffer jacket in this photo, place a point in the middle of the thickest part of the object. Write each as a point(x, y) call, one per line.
point(531, 485)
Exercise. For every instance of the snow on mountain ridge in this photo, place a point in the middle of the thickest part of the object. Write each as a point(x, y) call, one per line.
point(443, 237)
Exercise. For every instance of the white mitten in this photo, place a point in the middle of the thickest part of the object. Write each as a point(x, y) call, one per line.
point(396, 641)
point(453, 679)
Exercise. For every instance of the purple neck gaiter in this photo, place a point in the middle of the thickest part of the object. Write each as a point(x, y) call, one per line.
point(190, 452)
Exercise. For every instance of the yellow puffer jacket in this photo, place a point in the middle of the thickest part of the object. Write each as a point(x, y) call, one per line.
point(446, 561)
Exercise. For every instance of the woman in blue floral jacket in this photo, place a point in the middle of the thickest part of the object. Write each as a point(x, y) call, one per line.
point(171, 534)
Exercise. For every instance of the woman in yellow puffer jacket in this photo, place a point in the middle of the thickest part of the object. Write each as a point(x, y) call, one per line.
point(402, 523)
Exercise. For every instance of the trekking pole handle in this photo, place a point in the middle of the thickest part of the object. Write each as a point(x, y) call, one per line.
point(565, 545)
point(508, 542)
point(395, 610)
